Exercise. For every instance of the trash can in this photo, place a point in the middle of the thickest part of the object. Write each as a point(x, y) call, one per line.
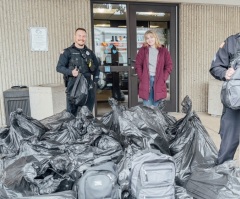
point(14, 98)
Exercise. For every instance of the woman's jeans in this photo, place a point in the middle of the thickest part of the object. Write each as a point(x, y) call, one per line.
point(150, 101)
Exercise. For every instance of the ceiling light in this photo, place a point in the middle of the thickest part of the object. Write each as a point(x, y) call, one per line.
point(152, 26)
point(157, 14)
point(102, 25)
point(103, 10)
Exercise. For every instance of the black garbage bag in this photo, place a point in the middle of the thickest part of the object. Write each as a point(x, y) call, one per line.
point(84, 112)
point(218, 182)
point(123, 169)
point(145, 120)
point(19, 175)
point(65, 167)
point(84, 128)
point(137, 126)
point(92, 130)
point(9, 142)
point(39, 149)
point(81, 156)
point(21, 128)
point(59, 195)
point(29, 125)
point(4, 194)
point(110, 120)
point(72, 129)
point(69, 134)
point(190, 144)
point(28, 176)
point(79, 92)
point(168, 118)
point(160, 117)
point(131, 133)
point(56, 121)
point(4, 133)
point(107, 146)
point(181, 193)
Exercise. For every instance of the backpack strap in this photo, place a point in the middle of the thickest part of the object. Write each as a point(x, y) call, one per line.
point(236, 57)
point(101, 159)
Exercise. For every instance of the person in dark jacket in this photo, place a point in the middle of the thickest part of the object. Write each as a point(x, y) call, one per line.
point(153, 67)
point(78, 58)
point(221, 69)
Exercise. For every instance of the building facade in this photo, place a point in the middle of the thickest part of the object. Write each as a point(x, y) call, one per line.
point(203, 26)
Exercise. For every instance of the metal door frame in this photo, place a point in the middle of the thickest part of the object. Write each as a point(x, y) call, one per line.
point(172, 105)
point(132, 7)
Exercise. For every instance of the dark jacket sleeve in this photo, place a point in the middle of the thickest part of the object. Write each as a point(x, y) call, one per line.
point(220, 63)
point(62, 65)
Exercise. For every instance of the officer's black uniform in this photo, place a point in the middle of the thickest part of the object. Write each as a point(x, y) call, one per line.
point(87, 63)
point(230, 120)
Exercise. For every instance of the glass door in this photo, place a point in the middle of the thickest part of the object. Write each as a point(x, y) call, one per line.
point(162, 18)
point(110, 46)
point(118, 31)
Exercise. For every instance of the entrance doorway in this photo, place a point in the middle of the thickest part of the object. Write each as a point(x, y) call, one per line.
point(118, 31)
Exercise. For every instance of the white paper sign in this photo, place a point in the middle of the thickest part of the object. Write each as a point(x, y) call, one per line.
point(39, 39)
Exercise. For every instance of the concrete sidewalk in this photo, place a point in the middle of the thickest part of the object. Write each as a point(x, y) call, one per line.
point(212, 125)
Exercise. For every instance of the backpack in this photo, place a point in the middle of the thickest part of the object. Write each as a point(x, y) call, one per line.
point(99, 182)
point(230, 93)
point(152, 175)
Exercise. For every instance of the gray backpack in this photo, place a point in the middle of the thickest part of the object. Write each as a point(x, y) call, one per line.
point(230, 93)
point(152, 175)
point(99, 182)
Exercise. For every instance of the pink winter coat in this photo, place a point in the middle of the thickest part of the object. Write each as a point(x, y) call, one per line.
point(164, 68)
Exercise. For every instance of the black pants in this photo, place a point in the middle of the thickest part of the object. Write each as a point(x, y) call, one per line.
point(90, 101)
point(229, 132)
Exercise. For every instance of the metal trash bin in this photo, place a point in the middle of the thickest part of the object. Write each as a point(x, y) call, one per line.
point(14, 98)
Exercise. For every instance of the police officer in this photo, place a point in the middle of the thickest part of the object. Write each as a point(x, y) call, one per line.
point(221, 69)
point(79, 59)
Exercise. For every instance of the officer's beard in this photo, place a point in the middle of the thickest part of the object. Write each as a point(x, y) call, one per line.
point(80, 45)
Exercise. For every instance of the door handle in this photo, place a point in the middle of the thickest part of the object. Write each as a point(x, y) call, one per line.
point(130, 60)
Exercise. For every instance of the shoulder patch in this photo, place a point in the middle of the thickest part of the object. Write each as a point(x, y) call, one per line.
point(222, 44)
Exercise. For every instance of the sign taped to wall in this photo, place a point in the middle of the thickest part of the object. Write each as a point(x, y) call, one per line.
point(38, 39)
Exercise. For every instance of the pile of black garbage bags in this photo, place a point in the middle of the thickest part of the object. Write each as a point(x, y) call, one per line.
point(44, 159)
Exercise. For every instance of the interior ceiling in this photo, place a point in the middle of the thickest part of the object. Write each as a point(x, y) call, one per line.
point(118, 12)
